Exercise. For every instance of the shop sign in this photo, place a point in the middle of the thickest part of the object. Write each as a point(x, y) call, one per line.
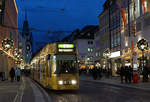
point(115, 54)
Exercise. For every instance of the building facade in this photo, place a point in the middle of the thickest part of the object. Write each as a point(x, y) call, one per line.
point(102, 38)
point(137, 28)
point(84, 40)
point(128, 24)
point(8, 31)
point(115, 36)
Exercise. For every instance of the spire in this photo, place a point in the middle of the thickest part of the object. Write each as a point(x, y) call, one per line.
point(25, 25)
point(25, 15)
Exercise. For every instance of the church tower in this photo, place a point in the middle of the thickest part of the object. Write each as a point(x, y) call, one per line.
point(27, 35)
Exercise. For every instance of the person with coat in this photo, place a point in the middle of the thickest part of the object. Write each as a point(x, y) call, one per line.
point(126, 73)
point(145, 74)
point(122, 71)
point(12, 74)
point(18, 74)
point(130, 74)
point(94, 73)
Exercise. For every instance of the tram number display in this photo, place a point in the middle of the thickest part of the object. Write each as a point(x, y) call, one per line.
point(67, 82)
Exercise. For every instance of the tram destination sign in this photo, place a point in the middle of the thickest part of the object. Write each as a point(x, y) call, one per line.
point(66, 47)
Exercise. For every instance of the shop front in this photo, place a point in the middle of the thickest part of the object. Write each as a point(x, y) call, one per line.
point(6, 62)
point(136, 59)
point(115, 62)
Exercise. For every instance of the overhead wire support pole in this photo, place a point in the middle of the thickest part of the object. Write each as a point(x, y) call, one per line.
point(129, 17)
point(134, 59)
point(134, 13)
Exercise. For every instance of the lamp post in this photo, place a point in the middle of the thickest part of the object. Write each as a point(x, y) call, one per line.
point(142, 45)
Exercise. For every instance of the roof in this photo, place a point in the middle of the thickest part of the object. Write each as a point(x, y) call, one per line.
point(85, 33)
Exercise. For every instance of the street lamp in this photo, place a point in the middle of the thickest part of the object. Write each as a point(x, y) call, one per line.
point(7, 44)
point(16, 52)
point(142, 45)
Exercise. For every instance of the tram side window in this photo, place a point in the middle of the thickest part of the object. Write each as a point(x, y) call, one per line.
point(42, 68)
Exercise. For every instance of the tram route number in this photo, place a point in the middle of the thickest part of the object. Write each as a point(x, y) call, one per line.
point(67, 82)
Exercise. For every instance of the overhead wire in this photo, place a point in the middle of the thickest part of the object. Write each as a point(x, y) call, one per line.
point(34, 29)
point(23, 8)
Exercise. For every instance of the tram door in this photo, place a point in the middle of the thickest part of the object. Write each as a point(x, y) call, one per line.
point(47, 70)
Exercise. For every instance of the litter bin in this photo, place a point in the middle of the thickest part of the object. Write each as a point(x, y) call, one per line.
point(135, 77)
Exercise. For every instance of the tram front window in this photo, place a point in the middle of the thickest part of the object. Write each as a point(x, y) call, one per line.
point(66, 66)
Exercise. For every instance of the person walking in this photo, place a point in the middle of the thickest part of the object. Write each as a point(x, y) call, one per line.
point(99, 72)
point(12, 74)
point(126, 74)
point(130, 73)
point(18, 74)
point(94, 73)
point(145, 74)
point(122, 71)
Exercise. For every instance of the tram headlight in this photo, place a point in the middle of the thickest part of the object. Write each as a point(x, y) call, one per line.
point(60, 82)
point(73, 82)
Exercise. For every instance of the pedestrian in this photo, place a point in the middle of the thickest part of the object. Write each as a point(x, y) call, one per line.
point(99, 72)
point(18, 74)
point(130, 74)
point(126, 74)
point(80, 72)
point(145, 74)
point(12, 74)
point(94, 73)
point(109, 72)
point(122, 71)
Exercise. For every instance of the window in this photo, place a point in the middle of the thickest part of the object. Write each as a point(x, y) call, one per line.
point(2, 11)
point(90, 42)
point(137, 8)
point(146, 22)
point(11, 35)
point(138, 26)
point(82, 56)
point(99, 54)
point(66, 66)
point(49, 65)
point(96, 54)
point(89, 49)
point(91, 58)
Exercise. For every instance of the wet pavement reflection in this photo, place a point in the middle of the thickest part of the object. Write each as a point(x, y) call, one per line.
point(98, 92)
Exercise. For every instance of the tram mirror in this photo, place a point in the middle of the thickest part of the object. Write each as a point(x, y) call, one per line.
point(48, 56)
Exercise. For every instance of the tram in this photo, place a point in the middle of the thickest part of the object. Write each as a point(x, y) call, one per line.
point(56, 67)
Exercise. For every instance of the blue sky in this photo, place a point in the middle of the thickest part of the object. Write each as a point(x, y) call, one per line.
point(58, 15)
